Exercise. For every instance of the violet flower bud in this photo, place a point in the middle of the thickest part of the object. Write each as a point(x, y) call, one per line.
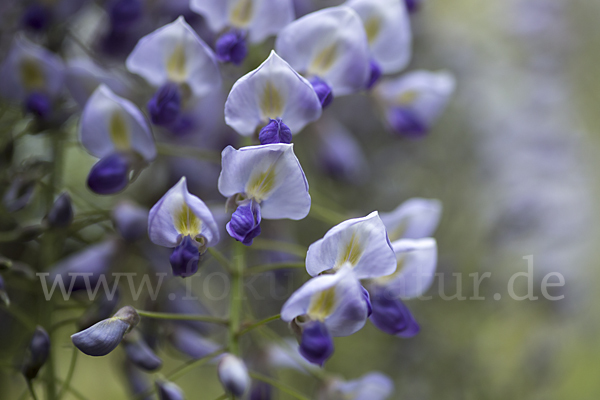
point(61, 213)
point(38, 104)
point(323, 90)
point(231, 47)
point(375, 73)
point(392, 316)
point(407, 122)
point(110, 175)
point(245, 223)
point(39, 350)
point(275, 132)
point(169, 391)
point(185, 257)
point(316, 344)
point(139, 353)
point(165, 105)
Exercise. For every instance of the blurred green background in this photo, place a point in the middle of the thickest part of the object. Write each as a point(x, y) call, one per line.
point(514, 161)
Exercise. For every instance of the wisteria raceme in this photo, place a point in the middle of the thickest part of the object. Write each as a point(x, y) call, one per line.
point(188, 113)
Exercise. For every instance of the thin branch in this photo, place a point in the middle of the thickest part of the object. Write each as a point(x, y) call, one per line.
point(259, 269)
point(184, 317)
point(259, 323)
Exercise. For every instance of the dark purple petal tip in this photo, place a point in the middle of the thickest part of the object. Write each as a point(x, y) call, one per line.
point(110, 175)
point(185, 257)
point(164, 106)
point(316, 344)
point(245, 223)
point(392, 316)
point(231, 47)
point(275, 132)
point(323, 91)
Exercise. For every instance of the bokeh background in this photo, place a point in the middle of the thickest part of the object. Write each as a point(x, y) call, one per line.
point(514, 160)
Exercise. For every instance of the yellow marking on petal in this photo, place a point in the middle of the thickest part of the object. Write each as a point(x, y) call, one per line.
point(407, 97)
point(119, 131)
point(271, 103)
point(32, 75)
point(399, 267)
point(261, 184)
point(351, 252)
point(324, 60)
point(322, 304)
point(241, 13)
point(186, 222)
point(372, 28)
point(176, 64)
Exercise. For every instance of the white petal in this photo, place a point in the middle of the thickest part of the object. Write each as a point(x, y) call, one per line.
point(387, 26)
point(270, 174)
point(329, 43)
point(28, 68)
point(269, 17)
point(273, 90)
point(422, 91)
point(416, 218)
point(361, 241)
point(213, 11)
point(176, 53)
point(373, 386)
point(170, 218)
point(111, 123)
point(417, 261)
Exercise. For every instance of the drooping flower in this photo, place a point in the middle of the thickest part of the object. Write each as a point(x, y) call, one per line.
point(252, 20)
point(272, 94)
point(372, 386)
point(114, 130)
point(328, 46)
point(326, 306)
point(417, 261)
point(361, 243)
point(413, 102)
point(262, 182)
point(169, 391)
point(191, 343)
point(183, 222)
point(387, 26)
point(233, 375)
point(37, 354)
point(32, 76)
point(139, 353)
point(130, 220)
point(103, 337)
point(83, 76)
point(416, 218)
point(182, 68)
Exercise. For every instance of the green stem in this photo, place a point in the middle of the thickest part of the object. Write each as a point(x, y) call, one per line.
point(31, 390)
point(259, 269)
point(259, 323)
point(237, 294)
point(188, 152)
point(275, 245)
point(221, 259)
point(183, 317)
point(279, 385)
point(65, 386)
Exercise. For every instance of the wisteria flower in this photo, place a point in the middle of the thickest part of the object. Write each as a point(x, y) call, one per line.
point(329, 47)
point(31, 75)
point(273, 96)
point(248, 20)
point(372, 386)
point(387, 26)
point(183, 222)
point(180, 65)
point(326, 306)
point(417, 261)
point(360, 242)
point(264, 181)
point(83, 76)
point(413, 102)
point(114, 129)
point(416, 218)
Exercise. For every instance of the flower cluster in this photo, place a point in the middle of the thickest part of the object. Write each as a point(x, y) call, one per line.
point(161, 104)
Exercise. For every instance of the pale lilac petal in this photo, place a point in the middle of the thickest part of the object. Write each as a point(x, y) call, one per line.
point(175, 53)
point(285, 192)
point(416, 218)
point(111, 123)
point(329, 43)
point(387, 26)
point(362, 242)
point(273, 90)
point(163, 226)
